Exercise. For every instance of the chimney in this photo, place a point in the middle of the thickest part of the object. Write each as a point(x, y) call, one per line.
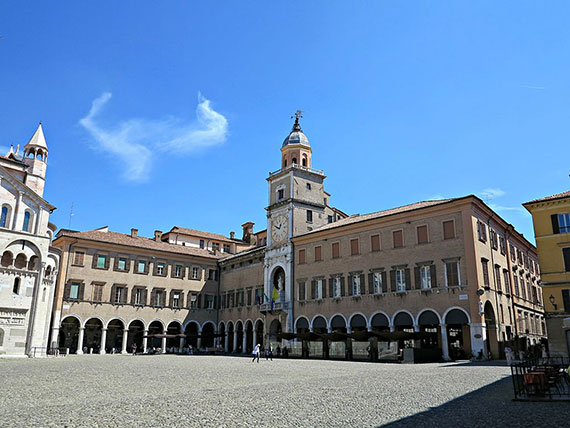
point(232, 235)
point(134, 232)
point(157, 235)
point(247, 231)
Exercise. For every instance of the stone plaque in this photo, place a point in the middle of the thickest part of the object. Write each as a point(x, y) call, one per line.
point(12, 317)
point(463, 297)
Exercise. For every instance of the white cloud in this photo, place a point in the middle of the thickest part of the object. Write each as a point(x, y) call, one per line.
point(134, 140)
point(504, 208)
point(491, 193)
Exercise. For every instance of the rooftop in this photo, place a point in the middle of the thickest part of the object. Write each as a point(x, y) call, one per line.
point(551, 197)
point(202, 234)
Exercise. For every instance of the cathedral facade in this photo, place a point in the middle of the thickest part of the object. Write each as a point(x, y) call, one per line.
point(449, 277)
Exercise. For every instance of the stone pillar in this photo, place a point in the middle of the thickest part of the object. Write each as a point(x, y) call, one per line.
point(444, 344)
point(478, 333)
point(145, 340)
point(417, 342)
point(226, 339)
point(124, 344)
point(181, 346)
point(199, 341)
point(17, 211)
point(235, 341)
point(244, 344)
point(253, 339)
point(103, 341)
point(163, 344)
point(392, 328)
point(38, 222)
point(80, 341)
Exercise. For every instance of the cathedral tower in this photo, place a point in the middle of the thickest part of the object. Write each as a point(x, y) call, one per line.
point(35, 156)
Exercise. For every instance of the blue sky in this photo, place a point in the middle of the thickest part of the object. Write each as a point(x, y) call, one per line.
point(172, 113)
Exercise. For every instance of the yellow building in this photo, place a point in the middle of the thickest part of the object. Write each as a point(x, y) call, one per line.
point(551, 218)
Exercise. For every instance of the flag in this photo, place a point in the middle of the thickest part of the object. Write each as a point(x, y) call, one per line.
point(275, 294)
point(266, 297)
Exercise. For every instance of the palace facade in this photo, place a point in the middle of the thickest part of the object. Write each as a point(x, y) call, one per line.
point(29, 264)
point(448, 275)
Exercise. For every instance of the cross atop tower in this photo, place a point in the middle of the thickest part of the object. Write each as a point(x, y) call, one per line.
point(298, 114)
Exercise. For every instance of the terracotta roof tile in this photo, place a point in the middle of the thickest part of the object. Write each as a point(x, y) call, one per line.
point(551, 197)
point(138, 242)
point(202, 234)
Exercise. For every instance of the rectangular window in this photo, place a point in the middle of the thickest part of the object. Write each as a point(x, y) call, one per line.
point(201, 243)
point(160, 268)
point(176, 299)
point(375, 242)
point(523, 287)
point(193, 298)
point(566, 300)
point(215, 246)
point(159, 298)
point(280, 194)
point(302, 295)
point(120, 295)
point(248, 296)
point(425, 277)
point(141, 266)
point(330, 218)
point(139, 295)
point(566, 256)
point(101, 261)
point(78, 258)
point(502, 245)
point(513, 252)
point(377, 280)
point(356, 285)
point(485, 266)
point(451, 274)
point(422, 232)
point(398, 238)
point(302, 258)
point(212, 274)
point(122, 264)
point(209, 301)
point(309, 216)
point(482, 231)
point(354, 247)
point(259, 296)
point(308, 186)
point(400, 280)
point(98, 293)
point(335, 250)
point(561, 223)
point(516, 283)
point(337, 292)
point(178, 271)
point(240, 298)
point(319, 289)
point(318, 253)
point(74, 290)
point(448, 229)
point(195, 273)
point(494, 240)
point(498, 277)
point(506, 281)
point(226, 248)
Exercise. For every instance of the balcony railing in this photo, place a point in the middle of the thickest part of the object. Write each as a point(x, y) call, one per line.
point(294, 166)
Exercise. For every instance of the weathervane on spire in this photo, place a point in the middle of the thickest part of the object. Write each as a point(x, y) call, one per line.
point(298, 114)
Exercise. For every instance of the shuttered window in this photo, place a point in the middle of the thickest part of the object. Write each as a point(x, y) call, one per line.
point(74, 290)
point(422, 232)
point(97, 293)
point(452, 273)
point(398, 238)
point(400, 280)
point(302, 254)
point(448, 229)
point(78, 258)
point(498, 277)
point(101, 261)
point(485, 266)
point(375, 242)
point(318, 253)
point(336, 250)
point(141, 266)
point(354, 247)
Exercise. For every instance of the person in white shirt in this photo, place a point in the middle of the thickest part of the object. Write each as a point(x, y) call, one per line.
point(255, 353)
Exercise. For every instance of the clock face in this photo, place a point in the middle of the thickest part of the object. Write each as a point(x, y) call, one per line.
point(279, 228)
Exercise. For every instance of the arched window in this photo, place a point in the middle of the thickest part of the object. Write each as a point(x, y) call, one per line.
point(285, 163)
point(40, 155)
point(16, 288)
point(7, 259)
point(27, 217)
point(304, 161)
point(294, 160)
point(4, 216)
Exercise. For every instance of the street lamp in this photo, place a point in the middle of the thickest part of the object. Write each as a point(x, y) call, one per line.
point(552, 300)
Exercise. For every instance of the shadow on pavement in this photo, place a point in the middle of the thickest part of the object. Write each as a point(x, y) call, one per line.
point(490, 406)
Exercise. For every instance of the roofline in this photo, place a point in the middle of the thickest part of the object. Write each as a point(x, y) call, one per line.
point(545, 199)
point(223, 238)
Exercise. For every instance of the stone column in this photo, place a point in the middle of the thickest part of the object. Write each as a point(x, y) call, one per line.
point(124, 344)
point(145, 340)
point(199, 341)
point(181, 346)
point(392, 328)
point(103, 341)
point(253, 339)
point(38, 221)
point(226, 339)
point(244, 344)
point(163, 344)
point(444, 344)
point(17, 210)
point(80, 341)
point(235, 341)
point(478, 336)
point(417, 342)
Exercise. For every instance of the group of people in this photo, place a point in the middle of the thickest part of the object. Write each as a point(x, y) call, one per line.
point(259, 350)
point(533, 351)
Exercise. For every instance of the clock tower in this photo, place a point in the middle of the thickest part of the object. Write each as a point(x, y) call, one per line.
point(298, 204)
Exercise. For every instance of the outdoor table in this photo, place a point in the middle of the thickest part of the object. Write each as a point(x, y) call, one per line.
point(535, 381)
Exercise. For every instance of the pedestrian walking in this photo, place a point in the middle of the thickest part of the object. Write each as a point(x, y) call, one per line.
point(255, 353)
point(134, 348)
point(509, 355)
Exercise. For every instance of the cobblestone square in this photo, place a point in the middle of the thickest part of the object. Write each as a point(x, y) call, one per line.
point(218, 391)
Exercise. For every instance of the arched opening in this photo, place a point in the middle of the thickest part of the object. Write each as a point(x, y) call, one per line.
point(380, 322)
point(115, 331)
point(5, 216)
point(16, 286)
point(40, 155)
point(359, 348)
point(284, 161)
point(173, 343)
point(275, 328)
point(191, 332)
point(404, 322)
point(208, 333)
point(294, 161)
point(428, 323)
point(259, 332)
point(48, 271)
point(338, 324)
point(278, 282)
point(458, 334)
point(31, 154)
point(302, 325)
point(136, 336)
point(492, 342)
point(21, 261)
point(357, 323)
point(68, 335)
point(230, 337)
point(320, 325)
point(248, 337)
point(26, 227)
point(7, 259)
point(239, 337)
point(304, 161)
point(154, 328)
point(33, 264)
point(92, 336)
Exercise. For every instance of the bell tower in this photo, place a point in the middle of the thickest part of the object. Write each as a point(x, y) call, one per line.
point(35, 156)
point(297, 205)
